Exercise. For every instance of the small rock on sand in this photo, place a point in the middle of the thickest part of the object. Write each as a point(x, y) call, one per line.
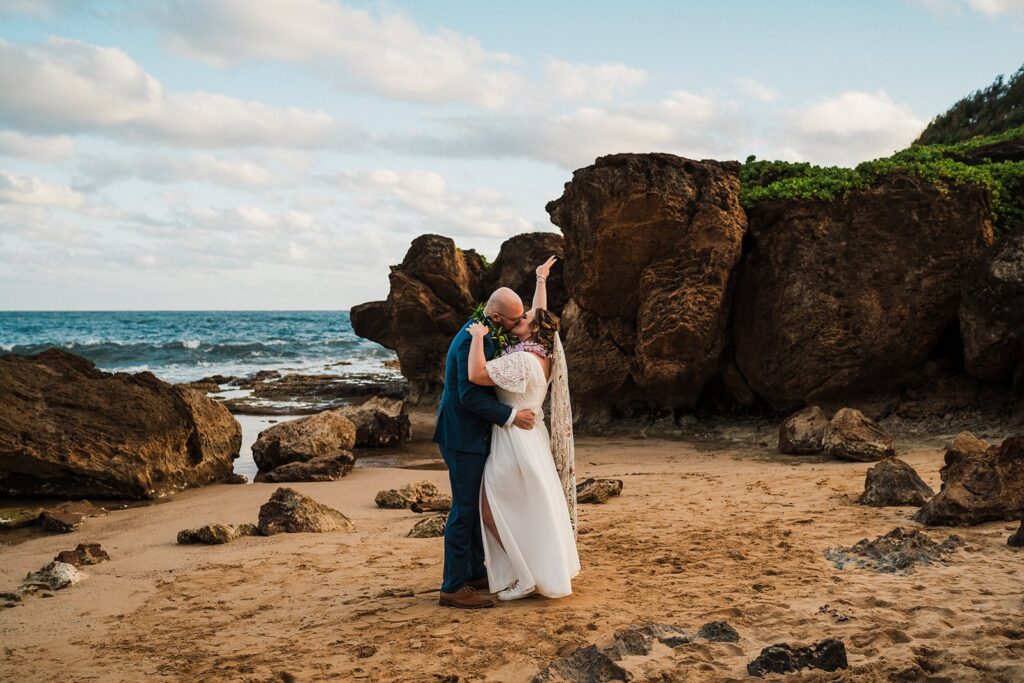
point(585, 664)
point(851, 435)
point(896, 552)
point(215, 534)
point(56, 575)
point(430, 527)
point(828, 655)
point(83, 554)
point(718, 632)
point(291, 512)
point(893, 482)
point(66, 517)
point(327, 468)
point(401, 499)
point(597, 490)
point(803, 431)
point(1017, 539)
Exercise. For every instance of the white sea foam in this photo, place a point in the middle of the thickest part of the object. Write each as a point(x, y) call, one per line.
point(190, 343)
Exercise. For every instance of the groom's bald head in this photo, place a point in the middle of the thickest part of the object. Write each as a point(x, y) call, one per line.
point(504, 307)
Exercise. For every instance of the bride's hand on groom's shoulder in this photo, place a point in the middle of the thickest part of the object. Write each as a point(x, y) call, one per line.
point(478, 330)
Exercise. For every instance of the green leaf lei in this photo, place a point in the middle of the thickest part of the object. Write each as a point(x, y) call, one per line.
point(502, 338)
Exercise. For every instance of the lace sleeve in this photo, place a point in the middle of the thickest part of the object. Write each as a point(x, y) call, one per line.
point(510, 371)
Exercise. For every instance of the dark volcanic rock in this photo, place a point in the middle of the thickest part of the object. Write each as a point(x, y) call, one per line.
point(597, 490)
point(291, 512)
point(585, 664)
point(326, 468)
point(839, 297)
point(70, 430)
point(897, 551)
point(516, 267)
point(851, 435)
point(380, 422)
point(1016, 540)
point(651, 243)
point(894, 482)
point(828, 655)
point(325, 435)
point(992, 311)
point(216, 534)
point(803, 431)
point(83, 554)
point(718, 632)
point(978, 485)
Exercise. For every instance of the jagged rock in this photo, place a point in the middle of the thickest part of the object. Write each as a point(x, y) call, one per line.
point(978, 485)
point(1016, 540)
point(326, 468)
point(844, 296)
point(216, 534)
point(517, 263)
point(828, 655)
point(651, 241)
point(992, 311)
point(56, 575)
point(597, 490)
point(585, 664)
point(851, 435)
point(70, 430)
point(289, 511)
point(439, 503)
point(897, 551)
point(638, 639)
point(236, 479)
point(83, 554)
point(14, 518)
point(894, 482)
point(65, 517)
point(328, 434)
point(718, 632)
point(380, 422)
point(803, 431)
point(401, 499)
point(430, 527)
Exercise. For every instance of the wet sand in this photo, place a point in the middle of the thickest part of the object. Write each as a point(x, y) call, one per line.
point(724, 529)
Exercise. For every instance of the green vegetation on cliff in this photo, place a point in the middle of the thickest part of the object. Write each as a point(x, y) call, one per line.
point(997, 108)
point(944, 165)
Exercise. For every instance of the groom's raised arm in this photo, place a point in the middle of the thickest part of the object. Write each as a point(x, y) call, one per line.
point(475, 397)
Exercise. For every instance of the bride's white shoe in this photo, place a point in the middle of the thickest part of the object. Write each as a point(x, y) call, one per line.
point(516, 592)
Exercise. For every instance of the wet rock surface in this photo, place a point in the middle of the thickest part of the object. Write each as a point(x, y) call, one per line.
point(289, 511)
point(894, 482)
point(827, 655)
point(896, 552)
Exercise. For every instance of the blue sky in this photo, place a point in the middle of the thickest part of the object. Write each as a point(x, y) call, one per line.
point(281, 154)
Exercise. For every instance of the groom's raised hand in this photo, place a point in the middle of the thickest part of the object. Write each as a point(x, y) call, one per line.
point(524, 419)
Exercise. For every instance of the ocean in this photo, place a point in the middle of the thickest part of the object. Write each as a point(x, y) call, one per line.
point(182, 346)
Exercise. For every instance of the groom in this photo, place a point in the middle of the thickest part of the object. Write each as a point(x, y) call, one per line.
point(463, 434)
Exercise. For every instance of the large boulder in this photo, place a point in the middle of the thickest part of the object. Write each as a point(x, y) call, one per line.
point(516, 267)
point(840, 297)
point(70, 430)
point(325, 468)
point(328, 434)
point(894, 482)
point(803, 431)
point(978, 485)
point(651, 241)
point(851, 435)
point(289, 511)
point(992, 312)
point(380, 422)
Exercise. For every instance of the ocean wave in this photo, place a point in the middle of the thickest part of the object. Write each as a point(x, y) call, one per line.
point(190, 343)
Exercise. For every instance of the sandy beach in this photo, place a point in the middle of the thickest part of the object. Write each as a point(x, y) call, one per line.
point(716, 528)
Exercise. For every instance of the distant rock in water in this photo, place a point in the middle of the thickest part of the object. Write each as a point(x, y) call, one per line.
point(828, 655)
point(838, 297)
point(651, 244)
point(803, 431)
point(70, 430)
point(289, 511)
point(979, 483)
point(851, 435)
point(894, 482)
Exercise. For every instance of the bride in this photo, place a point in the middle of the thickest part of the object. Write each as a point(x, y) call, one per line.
point(528, 495)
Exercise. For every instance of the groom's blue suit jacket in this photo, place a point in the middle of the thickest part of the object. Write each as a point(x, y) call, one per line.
point(467, 410)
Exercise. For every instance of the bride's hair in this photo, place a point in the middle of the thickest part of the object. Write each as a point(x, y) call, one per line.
point(543, 328)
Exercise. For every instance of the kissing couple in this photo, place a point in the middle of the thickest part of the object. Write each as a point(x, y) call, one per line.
point(511, 530)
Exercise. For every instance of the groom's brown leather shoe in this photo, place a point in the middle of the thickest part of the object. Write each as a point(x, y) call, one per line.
point(466, 598)
point(479, 584)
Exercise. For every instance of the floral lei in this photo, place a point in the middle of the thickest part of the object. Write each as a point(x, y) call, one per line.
point(503, 339)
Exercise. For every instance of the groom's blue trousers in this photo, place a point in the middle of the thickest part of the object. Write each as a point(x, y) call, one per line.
point(463, 533)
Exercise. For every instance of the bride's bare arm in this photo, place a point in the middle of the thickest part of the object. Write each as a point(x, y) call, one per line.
point(477, 369)
point(540, 294)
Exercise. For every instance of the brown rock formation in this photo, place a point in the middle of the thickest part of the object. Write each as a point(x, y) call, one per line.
point(289, 511)
point(516, 267)
point(325, 435)
point(380, 422)
point(835, 298)
point(68, 429)
point(894, 482)
point(651, 242)
point(851, 435)
point(803, 431)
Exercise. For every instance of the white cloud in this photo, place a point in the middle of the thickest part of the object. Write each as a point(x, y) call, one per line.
point(16, 188)
point(592, 82)
point(72, 86)
point(995, 8)
point(96, 171)
point(36, 147)
point(757, 90)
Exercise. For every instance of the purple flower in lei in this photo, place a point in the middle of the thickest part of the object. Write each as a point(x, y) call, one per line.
point(528, 345)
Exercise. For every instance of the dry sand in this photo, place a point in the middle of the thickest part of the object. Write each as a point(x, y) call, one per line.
point(703, 531)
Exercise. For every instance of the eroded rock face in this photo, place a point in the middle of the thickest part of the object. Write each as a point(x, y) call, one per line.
point(992, 311)
point(978, 485)
point(83, 554)
point(326, 468)
point(894, 482)
point(835, 298)
point(325, 435)
point(380, 422)
point(651, 243)
point(431, 527)
point(216, 534)
point(851, 435)
point(803, 431)
point(70, 430)
point(289, 511)
point(516, 267)
point(402, 498)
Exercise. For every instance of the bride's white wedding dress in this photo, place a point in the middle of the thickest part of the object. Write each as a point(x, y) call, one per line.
point(532, 500)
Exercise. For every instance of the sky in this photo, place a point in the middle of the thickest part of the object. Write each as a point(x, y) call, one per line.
point(281, 154)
